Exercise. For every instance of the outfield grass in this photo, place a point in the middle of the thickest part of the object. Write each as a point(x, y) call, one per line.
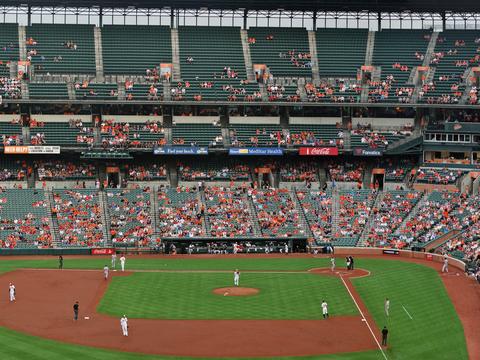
point(189, 296)
point(435, 333)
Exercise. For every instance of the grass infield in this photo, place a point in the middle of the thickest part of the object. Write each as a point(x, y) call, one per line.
point(434, 333)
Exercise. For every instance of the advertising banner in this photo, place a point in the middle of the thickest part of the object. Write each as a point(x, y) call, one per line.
point(180, 150)
point(32, 150)
point(256, 151)
point(367, 152)
point(99, 251)
point(318, 151)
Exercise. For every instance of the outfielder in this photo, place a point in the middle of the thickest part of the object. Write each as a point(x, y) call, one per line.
point(445, 264)
point(387, 307)
point(124, 325)
point(105, 272)
point(122, 262)
point(325, 309)
point(236, 277)
point(11, 291)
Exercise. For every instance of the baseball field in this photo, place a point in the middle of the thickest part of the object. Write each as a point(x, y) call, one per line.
point(183, 308)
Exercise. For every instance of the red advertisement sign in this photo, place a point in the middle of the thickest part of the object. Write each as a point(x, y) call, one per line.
point(107, 251)
point(318, 151)
point(429, 257)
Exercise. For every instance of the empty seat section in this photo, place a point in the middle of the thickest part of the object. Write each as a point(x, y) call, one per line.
point(195, 134)
point(8, 47)
point(53, 91)
point(132, 49)
point(62, 49)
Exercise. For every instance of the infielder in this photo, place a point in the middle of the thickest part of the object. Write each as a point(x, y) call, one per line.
point(105, 272)
point(387, 307)
point(332, 261)
point(114, 260)
point(286, 249)
point(445, 264)
point(124, 325)
point(236, 277)
point(122, 262)
point(11, 292)
point(325, 309)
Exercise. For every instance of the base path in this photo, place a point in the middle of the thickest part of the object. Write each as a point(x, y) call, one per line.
point(46, 297)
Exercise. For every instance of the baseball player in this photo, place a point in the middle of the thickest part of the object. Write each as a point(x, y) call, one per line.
point(11, 292)
point(122, 262)
point(325, 309)
point(445, 264)
point(236, 277)
point(75, 310)
point(332, 261)
point(286, 249)
point(114, 260)
point(105, 272)
point(124, 325)
point(387, 307)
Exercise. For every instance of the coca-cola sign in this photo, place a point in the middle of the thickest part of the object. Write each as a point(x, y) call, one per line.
point(318, 151)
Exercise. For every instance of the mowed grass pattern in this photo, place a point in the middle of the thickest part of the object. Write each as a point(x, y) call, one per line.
point(189, 296)
point(434, 333)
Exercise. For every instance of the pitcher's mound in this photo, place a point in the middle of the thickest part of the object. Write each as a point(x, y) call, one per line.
point(236, 291)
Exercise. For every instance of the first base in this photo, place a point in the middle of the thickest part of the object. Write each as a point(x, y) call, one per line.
point(87, 317)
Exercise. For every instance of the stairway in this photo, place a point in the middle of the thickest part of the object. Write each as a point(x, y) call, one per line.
point(22, 43)
point(201, 201)
point(25, 91)
point(335, 212)
point(257, 230)
point(176, 73)
point(301, 213)
point(402, 146)
point(362, 240)
point(263, 91)
point(312, 42)
point(370, 47)
point(121, 91)
point(154, 212)
point(97, 32)
point(247, 56)
point(430, 49)
point(468, 85)
point(71, 91)
point(102, 198)
point(412, 214)
point(167, 95)
point(52, 219)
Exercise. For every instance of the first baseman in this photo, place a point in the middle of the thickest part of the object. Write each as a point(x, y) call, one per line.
point(124, 325)
point(325, 309)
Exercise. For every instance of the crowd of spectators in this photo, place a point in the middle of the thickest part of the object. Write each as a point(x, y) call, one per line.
point(147, 173)
point(346, 173)
point(438, 176)
point(211, 172)
point(227, 212)
point(341, 91)
point(125, 135)
point(10, 88)
point(317, 207)
point(354, 209)
point(298, 172)
point(79, 218)
point(65, 170)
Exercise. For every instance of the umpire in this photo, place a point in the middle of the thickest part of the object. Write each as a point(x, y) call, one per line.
point(75, 310)
point(384, 336)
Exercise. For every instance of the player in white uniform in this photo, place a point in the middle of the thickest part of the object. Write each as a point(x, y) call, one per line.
point(124, 325)
point(332, 261)
point(236, 277)
point(325, 309)
point(286, 249)
point(11, 292)
point(105, 272)
point(445, 264)
point(122, 262)
point(387, 307)
point(114, 260)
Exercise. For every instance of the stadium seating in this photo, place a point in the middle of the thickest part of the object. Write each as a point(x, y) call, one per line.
point(274, 46)
point(12, 169)
point(317, 207)
point(62, 133)
point(54, 91)
point(256, 135)
point(214, 171)
point(374, 139)
point(24, 219)
point(227, 213)
point(79, 218)
point(97, 92)
point(11, 133)
point(196, 134)
point(277, 213)
point(130, 216)
point(56, 170)
point(62, 49)
point(132, 49)
point(407, 44)
point(8, 47)
point(181, 214)
point(341, 52)
point(302, 135)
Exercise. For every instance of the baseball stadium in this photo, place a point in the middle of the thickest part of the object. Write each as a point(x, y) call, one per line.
point(186, 180)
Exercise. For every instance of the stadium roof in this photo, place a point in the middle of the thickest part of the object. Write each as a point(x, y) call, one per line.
point(462, 6)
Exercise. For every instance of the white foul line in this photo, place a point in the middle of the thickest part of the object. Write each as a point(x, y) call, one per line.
point(364, 319)
point(410, 316)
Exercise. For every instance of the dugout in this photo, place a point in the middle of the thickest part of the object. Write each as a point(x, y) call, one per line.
point(226, 245)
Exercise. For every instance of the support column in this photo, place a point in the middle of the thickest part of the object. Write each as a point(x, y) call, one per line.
point(444, 21)
point(29, 15)
point(100, 14)
point(172, 18)
point(379, 21)
point(315, 20)
point(245, 18)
